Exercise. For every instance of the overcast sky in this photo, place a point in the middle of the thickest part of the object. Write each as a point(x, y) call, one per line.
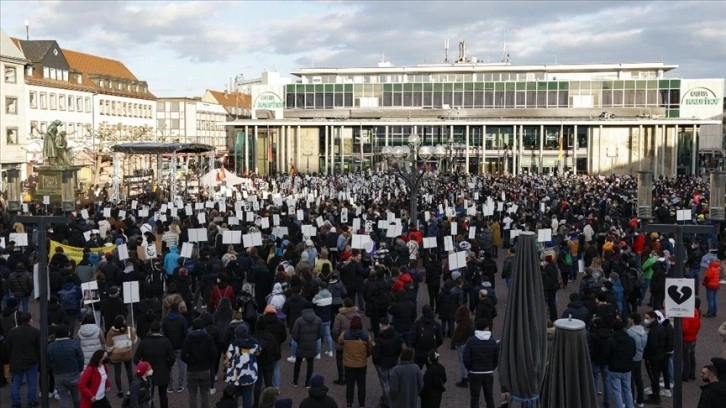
point(183, 48)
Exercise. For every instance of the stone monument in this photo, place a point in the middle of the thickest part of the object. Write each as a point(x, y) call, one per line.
point(57, 176)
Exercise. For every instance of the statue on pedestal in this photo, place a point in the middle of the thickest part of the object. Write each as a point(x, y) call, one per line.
point(55, 147)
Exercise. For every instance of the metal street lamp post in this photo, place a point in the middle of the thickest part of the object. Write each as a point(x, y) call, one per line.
point(645, 213)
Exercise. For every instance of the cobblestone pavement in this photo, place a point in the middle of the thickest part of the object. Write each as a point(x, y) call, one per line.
point(709, 345)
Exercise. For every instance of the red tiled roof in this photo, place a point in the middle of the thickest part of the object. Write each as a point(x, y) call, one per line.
point(232, 100)
point(95, 65)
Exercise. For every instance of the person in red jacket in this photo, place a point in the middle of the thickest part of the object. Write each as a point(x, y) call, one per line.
point(711, 282)
point(691, 326)
point(638, 243)
point(221, 290)
point(415, 234)
point(94, 382)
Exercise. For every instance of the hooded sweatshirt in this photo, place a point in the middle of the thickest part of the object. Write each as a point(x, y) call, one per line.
point(171, 260)
point(277, 299)
point(641, 338)
point(240, 358)
point(318, 398)
point(481, 353)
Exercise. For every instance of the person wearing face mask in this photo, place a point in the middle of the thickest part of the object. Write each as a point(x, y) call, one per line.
point(142, 390)
point(94, 382)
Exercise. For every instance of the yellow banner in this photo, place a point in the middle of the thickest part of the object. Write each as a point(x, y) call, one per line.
point(76, 253)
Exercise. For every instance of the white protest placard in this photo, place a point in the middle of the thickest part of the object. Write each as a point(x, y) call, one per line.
point(276, 219)
point(150, 251)
point(26, 210)
point(84, 214)
point(544, 235)
point(581, 265)
point(123, 252)
point(233, 221)
point(542, 207)
point(309, 230)
point(197, 235)
point(683, 215)
point(429, 242)
point(472, 232)
point(89, 290)
point(20, 238)
point(394, 231)
point(500, 206)
point(122, 214)
point(457, 260)
point(164, 208)
point(2, 242)
point(46, 200)
point(344, 215)
point(300, 215)
point(198, 206)
point(186, 250)
point(359, 241)
point(144, 212)
point(134, 203)
point(448, 243)
point(131, 292)
point(265, 222)
point(471, 210)
point(87, 235)
point(319, 221)
point(454, 228)
point(680, 300)
point(209, 204)
point(202, 218)
point(356, 224)
point(249, 216)
point(231, 237)
point(106, 212)
point(279, 231)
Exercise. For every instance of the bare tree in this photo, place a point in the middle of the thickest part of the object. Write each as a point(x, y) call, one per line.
point(108, 135)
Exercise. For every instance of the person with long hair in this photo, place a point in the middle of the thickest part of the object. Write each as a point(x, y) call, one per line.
point(119, 344)
point(434, 381)
point(94, 382)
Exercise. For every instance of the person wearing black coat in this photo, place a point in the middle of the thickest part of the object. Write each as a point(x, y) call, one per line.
point(597, 341)
point(198, 352)
point(112, 306)
point(23, 349)
point(270, 354)
point(577, 310)
point(386, 349)
point(157, 351)
point(620, 352)
point(551, 283)
point(403, 313)
point(654, 353)
point(421, 351)
point(433, 278)
point(434, 381)
point(306, 331)
point(446, 307)
point(318, 395)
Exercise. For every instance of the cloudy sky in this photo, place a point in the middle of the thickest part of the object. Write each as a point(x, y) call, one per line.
point(183, 48)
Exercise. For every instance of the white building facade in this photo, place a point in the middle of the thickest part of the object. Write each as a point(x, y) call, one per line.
point(189, 120)
point(499, 118)
point(12, 117)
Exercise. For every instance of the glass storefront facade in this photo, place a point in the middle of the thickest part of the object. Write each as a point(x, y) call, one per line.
point(662, 93)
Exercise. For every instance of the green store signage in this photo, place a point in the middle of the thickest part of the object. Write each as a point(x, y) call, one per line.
point(700, 96)
point(268, 100)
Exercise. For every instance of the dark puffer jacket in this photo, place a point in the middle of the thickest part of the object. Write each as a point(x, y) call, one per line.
point(306, 331)
point(387, 348)
point(174, 327)
point(448, 302)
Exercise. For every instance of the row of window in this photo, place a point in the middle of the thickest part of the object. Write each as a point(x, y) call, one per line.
point(456, 77)
point(606, 98)
point(125, 109)
point(122, 86)
point(71, 129)
point(209, 125)
point(11, 136)
point(60, 101)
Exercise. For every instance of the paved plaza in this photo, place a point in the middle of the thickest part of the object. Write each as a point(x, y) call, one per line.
point(709, 345)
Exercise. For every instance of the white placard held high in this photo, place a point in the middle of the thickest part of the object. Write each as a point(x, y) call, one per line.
point(472, 232)
point(454, 228)
point(544, 235)
point(680, 298)
point(186, 250)
point(123, 252)
point(131, 292)
point(89, 291)
point(429, 242)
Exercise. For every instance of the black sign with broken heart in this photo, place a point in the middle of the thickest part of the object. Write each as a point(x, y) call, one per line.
point(681, 296)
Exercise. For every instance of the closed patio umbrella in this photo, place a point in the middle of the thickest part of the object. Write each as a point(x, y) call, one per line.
point(524, 338)
point(569, 382)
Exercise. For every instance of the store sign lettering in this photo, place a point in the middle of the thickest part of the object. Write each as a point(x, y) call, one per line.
point(700, 96)
point(268, 100)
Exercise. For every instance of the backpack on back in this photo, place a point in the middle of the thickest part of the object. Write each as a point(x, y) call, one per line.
point(69, 302)
point(426, 338)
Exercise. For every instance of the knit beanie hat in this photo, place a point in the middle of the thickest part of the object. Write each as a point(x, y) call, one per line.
point(142, 368)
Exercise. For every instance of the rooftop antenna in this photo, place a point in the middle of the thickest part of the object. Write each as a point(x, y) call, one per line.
point(505, 54)
point(446, 50)
point(27, 30)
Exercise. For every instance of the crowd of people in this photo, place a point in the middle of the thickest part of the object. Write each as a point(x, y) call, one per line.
point(338, 268)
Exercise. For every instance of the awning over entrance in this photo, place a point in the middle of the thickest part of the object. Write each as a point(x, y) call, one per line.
point(161, 148)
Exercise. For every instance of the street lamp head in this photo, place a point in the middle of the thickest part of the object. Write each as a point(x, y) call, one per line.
point(414, 140)
point(387, 151)
point(400, 152)
point(425, 152)
point(440, 151)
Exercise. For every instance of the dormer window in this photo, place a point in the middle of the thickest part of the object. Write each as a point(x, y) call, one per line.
point(79, 79)
point(100, 83)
